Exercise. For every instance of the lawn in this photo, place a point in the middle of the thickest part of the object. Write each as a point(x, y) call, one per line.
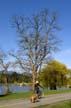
point(16, 96)
point(47, 92)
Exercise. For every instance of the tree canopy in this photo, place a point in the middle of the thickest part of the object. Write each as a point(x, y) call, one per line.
point(54, 75)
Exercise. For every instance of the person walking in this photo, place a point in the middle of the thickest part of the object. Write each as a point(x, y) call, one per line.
point(38, 89)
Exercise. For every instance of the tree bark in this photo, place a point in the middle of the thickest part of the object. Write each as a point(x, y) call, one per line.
point(7, 90)
point(34, 77)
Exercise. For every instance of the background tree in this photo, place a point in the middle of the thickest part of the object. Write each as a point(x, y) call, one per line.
point(20, 77)
point(69, 77)
point(54, 75)
point(4, 66)
point(1, 77)
point(37, 39)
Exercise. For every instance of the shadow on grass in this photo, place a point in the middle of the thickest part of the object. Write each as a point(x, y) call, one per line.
point(3, 95)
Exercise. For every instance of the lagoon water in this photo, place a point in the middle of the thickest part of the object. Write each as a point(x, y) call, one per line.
point(15, 89)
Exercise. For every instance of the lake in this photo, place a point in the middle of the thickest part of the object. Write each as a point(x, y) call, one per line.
point(15, 89)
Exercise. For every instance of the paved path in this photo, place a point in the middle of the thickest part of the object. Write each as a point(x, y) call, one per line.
point(21, 103)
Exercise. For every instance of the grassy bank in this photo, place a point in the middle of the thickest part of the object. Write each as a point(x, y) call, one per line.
point(28, 94)
point(16, 96)
point(47, 92)
point(66, 104)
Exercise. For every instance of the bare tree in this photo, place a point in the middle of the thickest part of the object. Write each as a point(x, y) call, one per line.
point(37, 39)
point(4, 66)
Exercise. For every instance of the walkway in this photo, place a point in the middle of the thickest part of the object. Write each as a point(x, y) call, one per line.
point(21, 103)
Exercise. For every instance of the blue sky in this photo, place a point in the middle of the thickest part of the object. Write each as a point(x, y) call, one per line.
point(8, 8)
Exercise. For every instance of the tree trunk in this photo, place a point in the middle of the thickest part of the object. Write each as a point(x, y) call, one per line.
point(53, 86)
point(34, 77)
point(7, 90)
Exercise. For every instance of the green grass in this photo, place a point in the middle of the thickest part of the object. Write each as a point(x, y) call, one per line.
point(16, 96)
point(26, 95)
point(66, 104)
point(47, 92)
